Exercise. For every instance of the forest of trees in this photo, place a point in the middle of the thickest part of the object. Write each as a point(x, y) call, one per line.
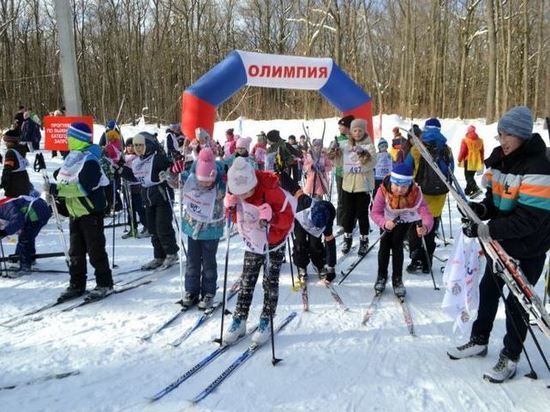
point(454, 58)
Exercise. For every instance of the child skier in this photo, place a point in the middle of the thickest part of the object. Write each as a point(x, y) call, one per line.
point(15, 179)
point(314, 219)
point(359, 159)
point(24, 215)
point(230, 144)
point(397, 205)
point(471, 159)
point(259, 150)
point(203, 223)
point(264, 216)
point(317, 166)
point(241, 150)
point(79, 188)
point(383, 164)
point(148, 169)
point(133, 193)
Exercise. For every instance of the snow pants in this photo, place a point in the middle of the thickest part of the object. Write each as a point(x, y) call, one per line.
point(87, 237)
point(253, 262)
point(309, 248)
point(516, 317)
point(355, 207)
point(159, 223)
point(392, 242)
point(201, 269)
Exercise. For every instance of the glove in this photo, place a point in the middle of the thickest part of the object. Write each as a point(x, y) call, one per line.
point(178, 166)
point(230, 201)
point(472, 229)
point(389, 225)
point(265, 212)
point(478, 208)
point(334, 145)
point(358, 149)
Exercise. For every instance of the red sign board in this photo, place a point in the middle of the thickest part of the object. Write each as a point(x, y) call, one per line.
point(55, 130)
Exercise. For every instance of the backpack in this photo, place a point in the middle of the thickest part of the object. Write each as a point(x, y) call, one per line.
point(426, 177)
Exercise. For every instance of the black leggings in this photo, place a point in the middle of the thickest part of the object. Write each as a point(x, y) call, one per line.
point(392, 242)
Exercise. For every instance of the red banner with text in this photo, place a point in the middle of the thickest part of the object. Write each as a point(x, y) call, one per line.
point(55, 130)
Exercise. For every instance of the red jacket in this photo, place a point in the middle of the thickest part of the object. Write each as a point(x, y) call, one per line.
point(268, 191)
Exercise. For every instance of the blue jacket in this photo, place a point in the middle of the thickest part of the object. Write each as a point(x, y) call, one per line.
point(201, 230)
point(432, 135)
point(15, 212)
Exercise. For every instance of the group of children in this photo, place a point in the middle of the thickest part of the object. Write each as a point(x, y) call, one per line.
point(254, 189)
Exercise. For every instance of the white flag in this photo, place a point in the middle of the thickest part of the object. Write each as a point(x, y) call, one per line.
point(461, 279)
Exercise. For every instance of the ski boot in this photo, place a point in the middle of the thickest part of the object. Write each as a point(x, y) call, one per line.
point(236, 330)
point(398, 287)
point(504, 369)
point(467, 350)
point(170, 260)
point(363, 245)
point(152, 264)
point(99, 292)
point(188, 300)
point(206, 302)
point(262, 333)
point(348, 239)
point(71, 292)
point(380, 284)
point(415, 266)
point(129, 234)
point(327, 274)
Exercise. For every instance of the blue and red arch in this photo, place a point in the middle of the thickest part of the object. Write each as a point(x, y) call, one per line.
point(240, 68)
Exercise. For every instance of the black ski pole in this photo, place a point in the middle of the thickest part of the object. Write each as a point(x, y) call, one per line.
point(267, 266)
point(290, 261)
point(356, 263)
point(428, 260)
point(228, 237)
point(450, 217)
point(113, 210)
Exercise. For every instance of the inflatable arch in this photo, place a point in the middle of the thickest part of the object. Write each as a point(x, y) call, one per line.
point(242, 68)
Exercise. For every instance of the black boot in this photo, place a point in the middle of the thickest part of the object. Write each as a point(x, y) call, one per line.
point(380, 284)
point(398, 287)
point(363, 246)
point(347, 243)
point(71, 292)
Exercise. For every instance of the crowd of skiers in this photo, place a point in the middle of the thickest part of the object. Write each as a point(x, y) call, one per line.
point(280, 190)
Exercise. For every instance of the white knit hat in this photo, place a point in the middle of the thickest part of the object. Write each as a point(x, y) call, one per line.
point(241, 177)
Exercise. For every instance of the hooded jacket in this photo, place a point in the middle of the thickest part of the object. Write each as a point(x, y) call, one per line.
point(268, 191)
point(517, 201)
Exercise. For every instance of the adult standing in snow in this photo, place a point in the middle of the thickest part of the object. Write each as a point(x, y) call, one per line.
point(359, 159)
point(262, 207)
point(30, 131)
point(335, 155)
point(15, 178)
point(471, 158)
point(203, 223)
point(433, 190)
point(517, 207)
point(80, 189)
point(148, 169)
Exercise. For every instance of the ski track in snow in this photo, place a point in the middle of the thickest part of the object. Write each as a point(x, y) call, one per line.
point(330, 361)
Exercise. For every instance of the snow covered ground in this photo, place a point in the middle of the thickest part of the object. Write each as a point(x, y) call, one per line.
point(331, 362)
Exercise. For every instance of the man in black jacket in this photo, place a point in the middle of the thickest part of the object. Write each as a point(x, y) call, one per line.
point(517, 207)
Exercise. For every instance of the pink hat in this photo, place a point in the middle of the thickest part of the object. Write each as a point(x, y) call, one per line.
point(471, 128)
point(244, 142)
point(206, 166)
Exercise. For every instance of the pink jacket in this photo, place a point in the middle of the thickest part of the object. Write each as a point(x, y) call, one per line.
point(318, 179)
point(381, 211)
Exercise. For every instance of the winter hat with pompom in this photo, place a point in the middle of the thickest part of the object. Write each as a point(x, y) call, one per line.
point(244, 142)
point(241, 177)
point(206, 166)
point(382, 142)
